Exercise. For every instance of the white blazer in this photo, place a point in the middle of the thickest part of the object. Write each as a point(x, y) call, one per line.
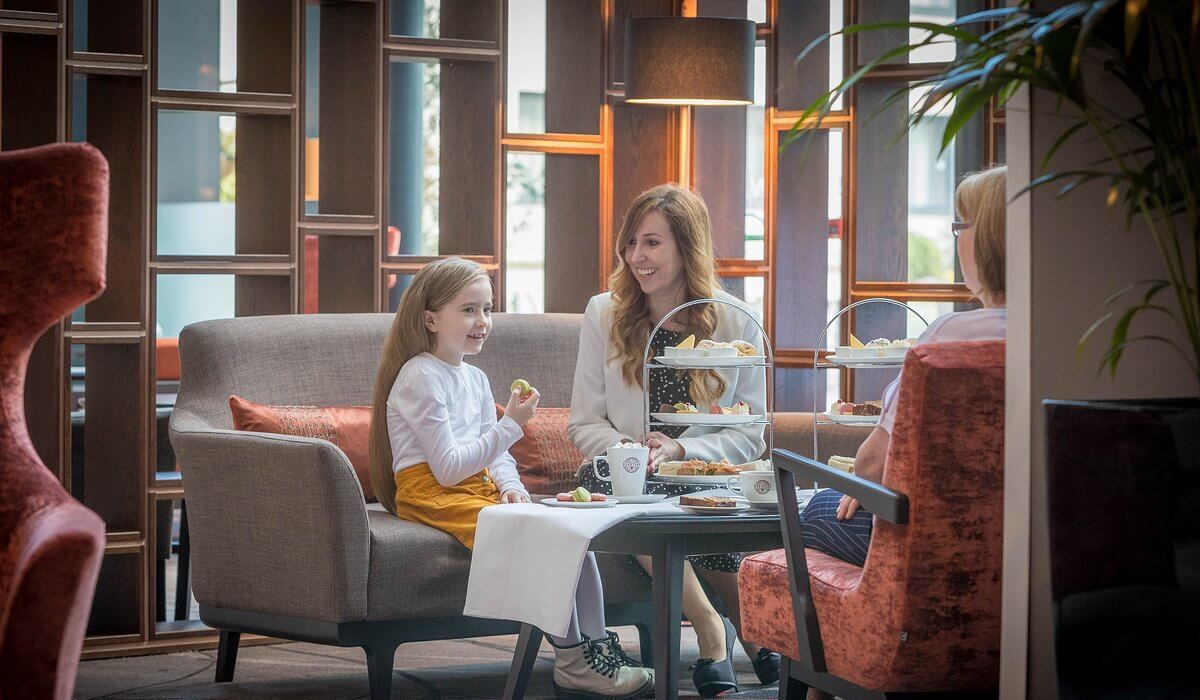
point(605, 409)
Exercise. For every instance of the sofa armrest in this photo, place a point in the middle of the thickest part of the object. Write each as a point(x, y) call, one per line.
point(278, 524)
point(878, 499)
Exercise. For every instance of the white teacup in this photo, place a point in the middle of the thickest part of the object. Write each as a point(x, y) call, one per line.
point(626, 469)
point(758, 487)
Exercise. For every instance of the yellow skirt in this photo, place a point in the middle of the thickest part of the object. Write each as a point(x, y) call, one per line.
point(453, 509)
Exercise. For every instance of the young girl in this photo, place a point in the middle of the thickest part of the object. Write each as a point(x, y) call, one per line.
point(439, 456)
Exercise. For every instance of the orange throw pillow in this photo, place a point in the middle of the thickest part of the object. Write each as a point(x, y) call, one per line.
point(546, 458)
point(348, 427)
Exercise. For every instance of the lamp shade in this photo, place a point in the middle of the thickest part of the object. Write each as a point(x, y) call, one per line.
point(689, 61)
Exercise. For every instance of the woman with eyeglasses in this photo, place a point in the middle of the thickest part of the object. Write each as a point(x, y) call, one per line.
point(835, 523)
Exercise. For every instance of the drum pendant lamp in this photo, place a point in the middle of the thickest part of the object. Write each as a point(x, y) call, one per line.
point(689, 61)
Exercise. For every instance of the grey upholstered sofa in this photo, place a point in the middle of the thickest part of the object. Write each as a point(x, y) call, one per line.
point(282, 542)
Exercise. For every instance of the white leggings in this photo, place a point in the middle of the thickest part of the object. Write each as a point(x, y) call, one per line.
point(588, 616)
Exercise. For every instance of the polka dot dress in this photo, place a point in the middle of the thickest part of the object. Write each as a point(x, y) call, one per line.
point(670, 387)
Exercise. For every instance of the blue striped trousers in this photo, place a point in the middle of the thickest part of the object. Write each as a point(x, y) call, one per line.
point(845, 539)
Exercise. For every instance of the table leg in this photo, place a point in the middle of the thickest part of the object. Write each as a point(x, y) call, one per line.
point(667, 594)
point(524, 656)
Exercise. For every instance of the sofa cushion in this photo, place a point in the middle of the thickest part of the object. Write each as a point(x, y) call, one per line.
point(415, 571)
point(348, 427)
point(546, 457)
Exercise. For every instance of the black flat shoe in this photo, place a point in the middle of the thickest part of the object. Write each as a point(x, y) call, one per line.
point(766, 666)
point(714, 677)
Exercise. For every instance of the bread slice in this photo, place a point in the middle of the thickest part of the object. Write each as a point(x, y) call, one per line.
point(708, 501)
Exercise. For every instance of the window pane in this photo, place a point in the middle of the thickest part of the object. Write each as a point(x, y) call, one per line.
point(749, 290)
point(875, 43)
point(197, 183)
point(552, 214)
point(728, 148)
point(525, 218)
point(440, 128)
point(741, 9)
point(199, 42)
point(183, 299)
point(223, 184)
point(445, 19)
point(555, 76)
point(903, 226)
point(808, 288)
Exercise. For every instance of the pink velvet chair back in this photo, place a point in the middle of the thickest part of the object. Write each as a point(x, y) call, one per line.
point(53, 231)
point(935, 582)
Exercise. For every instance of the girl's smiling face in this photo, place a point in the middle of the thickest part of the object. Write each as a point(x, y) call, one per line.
point(464, 324)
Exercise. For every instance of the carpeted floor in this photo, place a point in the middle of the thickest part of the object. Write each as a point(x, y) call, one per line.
point(470, 668)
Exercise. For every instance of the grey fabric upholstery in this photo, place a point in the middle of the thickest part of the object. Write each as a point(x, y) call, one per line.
point(278, 524)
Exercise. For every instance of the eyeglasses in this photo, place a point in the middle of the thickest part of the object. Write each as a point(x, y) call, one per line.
point(957, 227)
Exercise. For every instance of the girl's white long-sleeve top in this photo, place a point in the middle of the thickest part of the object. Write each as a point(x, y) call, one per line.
point(605, 409)
point(445, 416)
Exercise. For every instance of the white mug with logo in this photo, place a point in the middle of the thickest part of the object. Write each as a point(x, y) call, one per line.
point(626, 469)
point(758, 487)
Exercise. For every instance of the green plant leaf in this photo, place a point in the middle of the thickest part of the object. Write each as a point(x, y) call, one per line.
point(1087, 26)
point(1082, 344)
point(1062, 138)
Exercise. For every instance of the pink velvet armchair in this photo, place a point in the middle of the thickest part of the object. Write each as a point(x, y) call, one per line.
point(53, 229)
point(923, 613)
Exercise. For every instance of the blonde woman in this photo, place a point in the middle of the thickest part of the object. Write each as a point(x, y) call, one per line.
point(835, 523)
point(665, 258)
point(439, 456)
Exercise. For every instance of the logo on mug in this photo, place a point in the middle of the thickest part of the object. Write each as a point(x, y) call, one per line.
point(762, 486)
point(631, 464)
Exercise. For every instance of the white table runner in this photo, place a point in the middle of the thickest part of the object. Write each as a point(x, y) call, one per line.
point(527, 557)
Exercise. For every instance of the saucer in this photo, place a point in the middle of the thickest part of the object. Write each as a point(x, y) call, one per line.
point(644, 498)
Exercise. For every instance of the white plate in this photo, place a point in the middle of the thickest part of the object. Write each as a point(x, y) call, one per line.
point(574, 504)
point(705, 418)
point(644, 498)
point(713, 510)
point(852, 361)
point(803, 496)
point(851, 420)
point(707, 362)
point(695, 479)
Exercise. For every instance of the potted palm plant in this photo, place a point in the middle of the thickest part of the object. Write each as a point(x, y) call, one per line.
point(1123, 477)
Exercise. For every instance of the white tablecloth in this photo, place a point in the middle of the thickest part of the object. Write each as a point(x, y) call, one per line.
point(527, 557)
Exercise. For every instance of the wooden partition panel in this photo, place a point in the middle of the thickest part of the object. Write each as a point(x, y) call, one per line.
point(29, 104)
point(113, 27)
point(572, 216)
point(346, 274)
point(466, 194)
point(116, 124)
point(574, 67)
point(348, 109)
point(641, 154)
point(264, 45)
point(264, 184)
point(112, 468)
point(265, 295)
point(719, 151)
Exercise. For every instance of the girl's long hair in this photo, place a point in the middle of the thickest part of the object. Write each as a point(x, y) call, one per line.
point(687, 215)
point(434, 286)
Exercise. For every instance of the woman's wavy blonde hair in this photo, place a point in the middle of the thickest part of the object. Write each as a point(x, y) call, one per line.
point(687, 215)
point(434, 286)
point(980, 200)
